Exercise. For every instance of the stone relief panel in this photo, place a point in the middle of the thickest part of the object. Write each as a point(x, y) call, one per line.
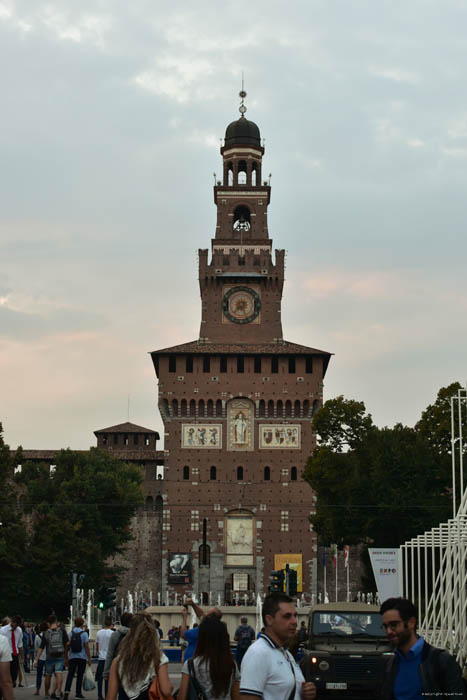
point(207, 436)
point(283, 437)
point(240, 413)
point(239, 537)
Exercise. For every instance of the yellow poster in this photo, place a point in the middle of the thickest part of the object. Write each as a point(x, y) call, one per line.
point(294, 561)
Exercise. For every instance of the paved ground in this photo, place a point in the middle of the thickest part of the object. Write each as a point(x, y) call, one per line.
point(30, 687)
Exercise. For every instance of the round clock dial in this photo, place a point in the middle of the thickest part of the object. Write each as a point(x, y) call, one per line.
point(241, 304)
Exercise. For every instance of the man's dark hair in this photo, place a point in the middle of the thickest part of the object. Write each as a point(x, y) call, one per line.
point(404, 607)
point(18, 619)
point(125, 619)
point(52, 619)
point(272, 602)
point(243, 620)
point(108, 622)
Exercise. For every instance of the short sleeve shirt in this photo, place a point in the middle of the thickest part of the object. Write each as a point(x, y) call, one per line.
point(191, 637)
point(270, 671)
point(84, 638)
point(102, 638)
point(5, 653)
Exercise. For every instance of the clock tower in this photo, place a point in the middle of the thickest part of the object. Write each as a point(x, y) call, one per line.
point(237, 405)
point(241, 288)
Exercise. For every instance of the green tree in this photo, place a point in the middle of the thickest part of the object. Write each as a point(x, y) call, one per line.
point(12, 531)
point(387, 487)
point(435, 422)
point(77, 517)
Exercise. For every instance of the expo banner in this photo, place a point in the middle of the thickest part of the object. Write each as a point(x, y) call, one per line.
point(387, 569)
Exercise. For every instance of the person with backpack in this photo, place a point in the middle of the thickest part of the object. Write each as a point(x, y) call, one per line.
point(244, 636)
point(102, 644)
point(78, 655)
point(212, 670)
point(114, 642)
point(138, 662)
point(417, 669)
point(54, 641)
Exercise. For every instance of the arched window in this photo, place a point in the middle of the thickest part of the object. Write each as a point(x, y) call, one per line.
point(192, 407)
point(254, 174)
point(270, 408)
point(279, 408)
point(230, 174)
point(175, 407)
point(297, 409)
point(218, 408)
point(149, 505)
point(239, 473)
point(241, 218)
point(201, 407)
point(183, 407)
point(213, 473)
point(159, 504)
point(242, 174)
point(186, 473)
point(267, 473)
point(288, 408)
point(293, 474)
point(262, 408)
point(210, 407)
point(306, 408)
point(316, 406)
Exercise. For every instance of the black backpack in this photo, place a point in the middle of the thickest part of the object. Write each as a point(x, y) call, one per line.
point(76, 642)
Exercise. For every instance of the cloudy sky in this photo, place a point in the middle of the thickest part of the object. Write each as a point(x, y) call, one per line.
point(111, 117)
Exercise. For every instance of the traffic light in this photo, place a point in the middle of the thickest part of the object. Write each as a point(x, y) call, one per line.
point(292, 582)
point(106, 598)
point(276, 581)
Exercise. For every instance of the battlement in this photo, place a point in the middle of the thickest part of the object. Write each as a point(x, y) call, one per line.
point(254, 259)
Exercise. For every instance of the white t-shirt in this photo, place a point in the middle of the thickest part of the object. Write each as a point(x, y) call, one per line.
point(102, 638)
point(5, 653)
point(270, 671)
point(134, 690)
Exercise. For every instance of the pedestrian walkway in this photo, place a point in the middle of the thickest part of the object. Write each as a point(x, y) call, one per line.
point(175, 672)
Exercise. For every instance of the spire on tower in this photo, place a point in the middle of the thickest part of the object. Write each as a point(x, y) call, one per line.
point(242, 95)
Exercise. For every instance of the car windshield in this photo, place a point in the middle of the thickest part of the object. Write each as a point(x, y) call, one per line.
point(347, 624)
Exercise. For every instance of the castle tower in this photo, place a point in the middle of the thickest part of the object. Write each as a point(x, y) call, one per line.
point(237, 405)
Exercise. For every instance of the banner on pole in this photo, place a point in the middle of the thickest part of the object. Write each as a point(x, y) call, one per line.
point(346, 555)
point(387, 570)
point(334, 553)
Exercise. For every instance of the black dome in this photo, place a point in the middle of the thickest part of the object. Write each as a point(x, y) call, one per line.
point(242, 132)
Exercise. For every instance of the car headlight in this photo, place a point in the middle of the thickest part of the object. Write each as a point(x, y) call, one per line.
point(323, 666)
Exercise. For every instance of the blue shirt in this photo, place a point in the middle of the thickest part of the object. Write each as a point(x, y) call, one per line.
point(84, 638)
point(191, 637)
point(408, 685)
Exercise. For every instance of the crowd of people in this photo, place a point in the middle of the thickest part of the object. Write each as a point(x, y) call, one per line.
point(132, 665)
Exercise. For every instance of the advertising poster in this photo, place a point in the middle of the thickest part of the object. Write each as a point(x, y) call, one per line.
point(387, 570)
point(179, 567)
point(295, 562)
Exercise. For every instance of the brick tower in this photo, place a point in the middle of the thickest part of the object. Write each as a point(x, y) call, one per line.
point(237, 405)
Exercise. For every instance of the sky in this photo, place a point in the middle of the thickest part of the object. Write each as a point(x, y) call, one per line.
point(112, 115)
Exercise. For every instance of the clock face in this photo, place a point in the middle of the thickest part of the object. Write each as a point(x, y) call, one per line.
point(241, 304)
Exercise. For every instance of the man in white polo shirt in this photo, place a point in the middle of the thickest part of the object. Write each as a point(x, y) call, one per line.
point(268, 670)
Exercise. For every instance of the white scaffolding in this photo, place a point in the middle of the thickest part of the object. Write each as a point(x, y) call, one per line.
point(435, 563)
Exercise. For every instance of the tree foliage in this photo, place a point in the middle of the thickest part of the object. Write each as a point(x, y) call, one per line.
point(390, 485)
point(75, 518)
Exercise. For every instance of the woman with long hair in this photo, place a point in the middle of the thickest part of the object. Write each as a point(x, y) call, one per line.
point(213, 664)
point(139, 660)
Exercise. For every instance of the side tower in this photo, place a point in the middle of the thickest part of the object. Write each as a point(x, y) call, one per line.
point(237, 405)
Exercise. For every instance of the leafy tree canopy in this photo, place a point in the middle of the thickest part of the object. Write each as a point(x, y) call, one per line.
point(75, 518)
point(388, 486)
point(435, 423)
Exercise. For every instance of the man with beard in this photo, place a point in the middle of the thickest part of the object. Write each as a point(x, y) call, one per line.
point(417, 669)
